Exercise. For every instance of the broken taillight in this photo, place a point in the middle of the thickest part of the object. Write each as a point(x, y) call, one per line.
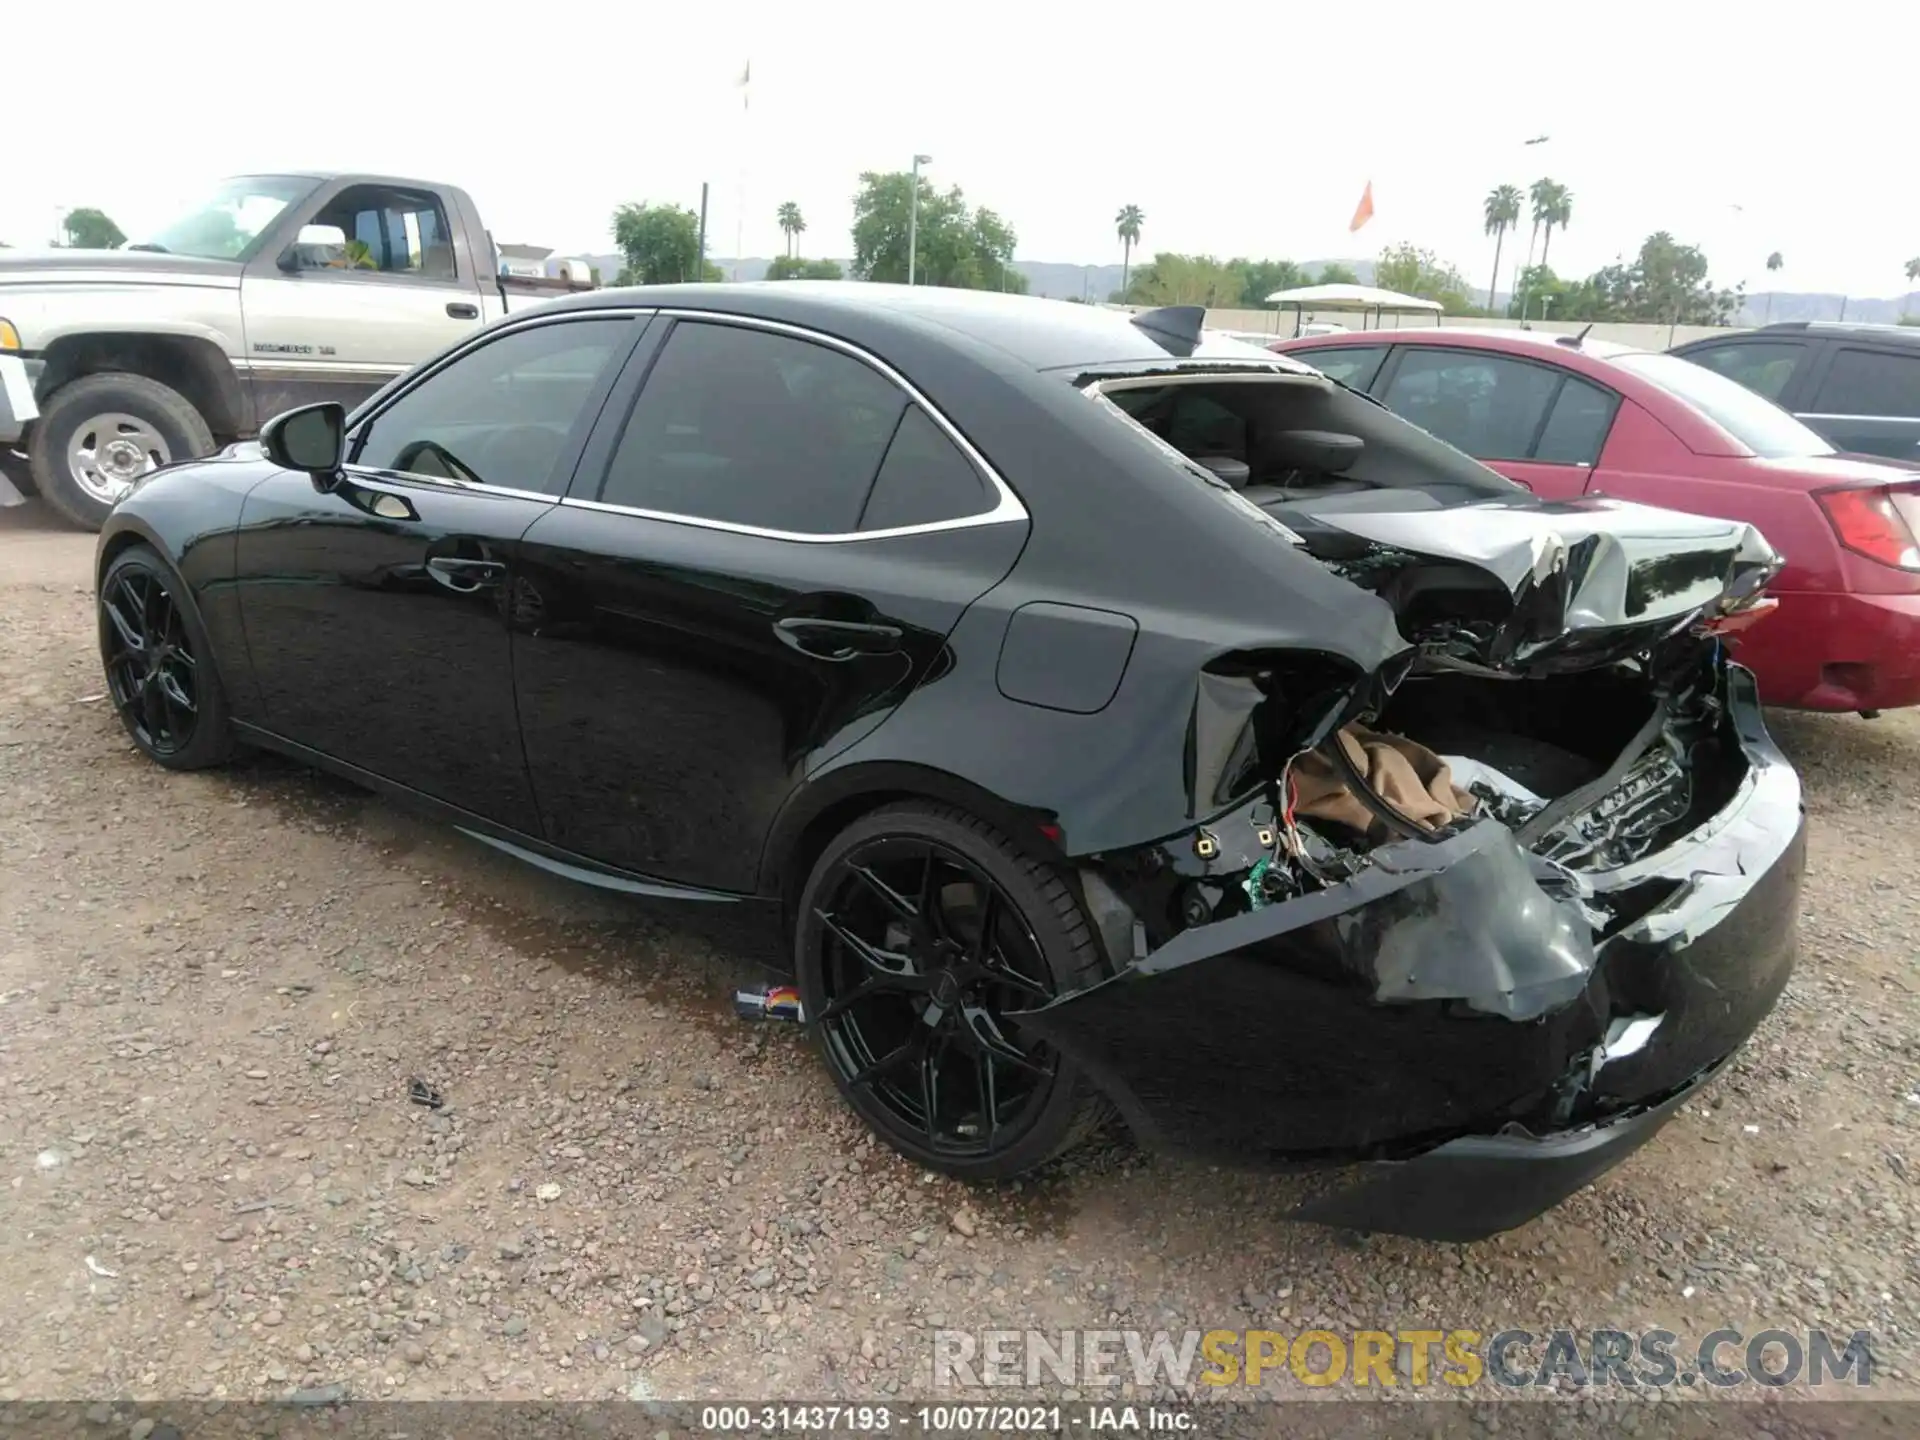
point(1876, 521)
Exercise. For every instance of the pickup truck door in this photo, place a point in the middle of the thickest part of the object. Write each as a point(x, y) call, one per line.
point(376, 614)
point(338, 326)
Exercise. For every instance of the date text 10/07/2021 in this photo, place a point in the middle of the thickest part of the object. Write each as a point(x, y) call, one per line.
point(942, 1419)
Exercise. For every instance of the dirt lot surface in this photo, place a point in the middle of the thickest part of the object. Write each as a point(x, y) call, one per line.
point(215, 988)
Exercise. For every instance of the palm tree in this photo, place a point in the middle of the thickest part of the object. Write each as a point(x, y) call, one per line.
point(792, 223)
point(1559, 212)
point(1502, 213)
point(1127, 225)
point(1774, 262)
point(1913, 274)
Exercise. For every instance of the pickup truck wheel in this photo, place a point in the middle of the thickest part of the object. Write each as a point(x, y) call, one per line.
point(98, 435)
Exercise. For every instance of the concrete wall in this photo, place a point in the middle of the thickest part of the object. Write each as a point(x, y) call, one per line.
point(1646, 337)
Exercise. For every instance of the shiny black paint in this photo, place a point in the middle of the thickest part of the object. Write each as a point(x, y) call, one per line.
point(364, 650)
point(626, 700)
point(708, 695)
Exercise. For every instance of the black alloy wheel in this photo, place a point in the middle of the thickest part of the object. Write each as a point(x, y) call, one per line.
point(920, 932)
point(158, 671)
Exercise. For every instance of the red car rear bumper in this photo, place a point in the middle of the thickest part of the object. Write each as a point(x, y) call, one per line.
point(1837, 652)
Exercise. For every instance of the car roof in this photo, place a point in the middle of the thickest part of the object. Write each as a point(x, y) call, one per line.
point(1474, 337)
point(1041, 334)
point(1838, 330)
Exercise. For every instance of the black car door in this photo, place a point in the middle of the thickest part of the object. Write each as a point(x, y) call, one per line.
point(375, 615)
point(1866, 399)
point(763, 551)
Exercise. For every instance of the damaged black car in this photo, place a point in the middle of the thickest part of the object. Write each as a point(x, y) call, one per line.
point(1114, 716)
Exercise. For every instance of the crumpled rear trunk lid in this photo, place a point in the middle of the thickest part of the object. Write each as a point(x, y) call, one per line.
point(1531, 587)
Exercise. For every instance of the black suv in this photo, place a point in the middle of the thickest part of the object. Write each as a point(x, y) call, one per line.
point(1858, 385)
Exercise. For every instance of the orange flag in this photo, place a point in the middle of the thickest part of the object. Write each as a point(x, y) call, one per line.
point(1363, 212)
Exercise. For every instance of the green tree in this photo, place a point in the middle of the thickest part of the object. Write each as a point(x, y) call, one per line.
point(1559, 212)
point(1127, 225)
point(1501, 211)
point(1413, 271)
point(1540, 198)
point(1174, 279)
point(792, 267)
point(1913, 274)
point(1336, 274)
point(1261, 278)
point(792, 223)
point(1545, 294)
point(661, 244)
point(1774, 262)
point(90, 229)
point(956, 245)
point(1666, 284)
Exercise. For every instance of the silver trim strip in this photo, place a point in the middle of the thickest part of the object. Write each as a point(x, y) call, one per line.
point(1913, 420)
point(1006, 508)
point(446, 482)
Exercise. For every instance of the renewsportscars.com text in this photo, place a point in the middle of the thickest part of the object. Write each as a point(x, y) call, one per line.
point(1461, 1358)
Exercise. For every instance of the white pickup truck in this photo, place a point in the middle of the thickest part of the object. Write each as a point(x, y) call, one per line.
point(275, 291)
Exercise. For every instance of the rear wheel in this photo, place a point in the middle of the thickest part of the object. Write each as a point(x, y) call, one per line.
point(98, 435)
point(159, 665)
point(920, 931)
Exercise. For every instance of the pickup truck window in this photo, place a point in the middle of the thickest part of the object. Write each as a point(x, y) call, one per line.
point(224, 225)
point(393, 232)
point(501, 413)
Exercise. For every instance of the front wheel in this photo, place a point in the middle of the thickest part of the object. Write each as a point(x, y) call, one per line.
point(920, 931)
point(159, 664)
point(98, 435)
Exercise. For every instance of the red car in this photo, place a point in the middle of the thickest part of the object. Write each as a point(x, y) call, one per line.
point(1567, 417)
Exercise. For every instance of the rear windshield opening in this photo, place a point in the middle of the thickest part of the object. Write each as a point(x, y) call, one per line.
point(1755, 421)
point(1279, 442)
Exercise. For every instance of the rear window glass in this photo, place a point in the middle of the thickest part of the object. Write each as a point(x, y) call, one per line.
point(1757, 423)
point(1252, 431)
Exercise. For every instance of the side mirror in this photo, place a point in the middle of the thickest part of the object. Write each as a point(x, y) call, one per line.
point(313, 247)
point(312, 438)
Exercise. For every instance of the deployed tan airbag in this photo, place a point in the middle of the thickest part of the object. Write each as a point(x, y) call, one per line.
point(1408, 776)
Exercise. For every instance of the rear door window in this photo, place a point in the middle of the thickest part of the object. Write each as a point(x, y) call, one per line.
point(1870, 382)
point(924, 480)
point(745, 427)
point(1352, 365)
point(1577, 426)
point(1763, 366)
point(1487, 405)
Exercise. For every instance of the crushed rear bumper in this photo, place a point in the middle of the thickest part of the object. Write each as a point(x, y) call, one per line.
point(1479, 1043)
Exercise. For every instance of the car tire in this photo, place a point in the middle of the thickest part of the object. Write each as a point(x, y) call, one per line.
point(128, 415)
point(1039, 921)
point(142, 597)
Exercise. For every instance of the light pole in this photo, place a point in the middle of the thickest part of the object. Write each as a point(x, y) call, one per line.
point(913, 216)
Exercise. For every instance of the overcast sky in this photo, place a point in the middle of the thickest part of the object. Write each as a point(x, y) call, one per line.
point(1238, 128)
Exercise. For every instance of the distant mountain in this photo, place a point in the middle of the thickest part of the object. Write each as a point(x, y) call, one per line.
point(1792, 305)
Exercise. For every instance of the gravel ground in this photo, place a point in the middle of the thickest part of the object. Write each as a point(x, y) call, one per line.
point(215, 988)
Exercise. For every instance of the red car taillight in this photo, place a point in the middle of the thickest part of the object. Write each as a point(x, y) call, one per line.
point(1876, 521)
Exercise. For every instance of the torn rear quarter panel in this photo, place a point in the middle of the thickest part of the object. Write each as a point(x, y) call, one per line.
point(1452, 989)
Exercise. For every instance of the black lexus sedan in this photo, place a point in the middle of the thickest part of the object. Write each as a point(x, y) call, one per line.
point(1114, 715)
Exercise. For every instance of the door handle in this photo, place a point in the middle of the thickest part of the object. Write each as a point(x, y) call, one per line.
point(836, 639)
point(460, 310)
point(458, 573)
